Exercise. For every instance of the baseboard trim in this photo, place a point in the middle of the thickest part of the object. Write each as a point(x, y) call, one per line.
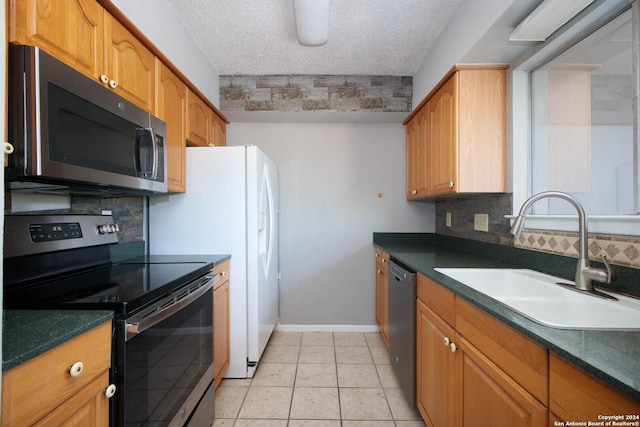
point(327, 328)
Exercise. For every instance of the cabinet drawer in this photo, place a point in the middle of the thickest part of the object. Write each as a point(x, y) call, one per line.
point(437, 298)
point(37, 386)
point(576, 395)
point(382, 258)
point(522, 359)
point(223, 270)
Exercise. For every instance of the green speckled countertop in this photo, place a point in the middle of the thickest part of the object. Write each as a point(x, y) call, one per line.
point(612, 356)
point(29, 333)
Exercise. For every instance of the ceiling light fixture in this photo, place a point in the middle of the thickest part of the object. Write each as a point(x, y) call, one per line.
point(312, 21)
point(546, 19)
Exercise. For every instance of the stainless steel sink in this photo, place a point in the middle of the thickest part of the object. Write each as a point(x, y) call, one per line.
point(538, 296)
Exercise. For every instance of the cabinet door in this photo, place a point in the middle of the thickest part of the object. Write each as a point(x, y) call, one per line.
point(130, 66)
point(88, 407)
point(218, 130)
point(423, 155)
point(384, 304)
point(436, 373)
point(412, 158)
point(492, 398)
point(220, 331)
point(70, 30)
point(442, 138)
point(198, 121)
point(171, 107)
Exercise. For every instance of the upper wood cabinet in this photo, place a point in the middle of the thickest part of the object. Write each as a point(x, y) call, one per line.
point(86, 37)
point(171, 107)
point(456, 137)
point(70, 30)
point(129, 66)
point(218, 130)
point(198, 121)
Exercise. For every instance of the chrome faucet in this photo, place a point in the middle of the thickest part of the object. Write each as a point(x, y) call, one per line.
point(585, 274)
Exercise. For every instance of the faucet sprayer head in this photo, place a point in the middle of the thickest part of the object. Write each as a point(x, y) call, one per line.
point(518, 225)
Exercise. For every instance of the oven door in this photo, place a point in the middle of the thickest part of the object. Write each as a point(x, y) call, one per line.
point(164, 358)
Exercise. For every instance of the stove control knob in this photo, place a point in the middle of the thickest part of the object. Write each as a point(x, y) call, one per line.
point(76, 369)
point(103, 229)
point(110, 391)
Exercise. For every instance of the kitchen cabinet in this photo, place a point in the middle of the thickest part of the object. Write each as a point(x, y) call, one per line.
point(464, 376)
point(221, 332)
point(50, 389)
point(456, 137)
point(171, 107)
point(575, 395)
point(85, 36)
point(382, 294)
point(204, 126)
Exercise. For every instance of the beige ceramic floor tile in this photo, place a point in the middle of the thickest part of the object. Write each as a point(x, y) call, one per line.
point(354, 355)
point(316, 375)
point(387, 376)
point(223, 422)
point(260, 423)
point(317, 354)
point(314, 423)
point(380, 355)
point(374, 339)
point(280, 354)
point(410, 424)
point(274, 375)
point(358, 376)
point(349, 339)
point(317, 338)
point(267, 403)
point(400, 408)
point(315, 403)
point(229, 400)
point(235, 382)
point(364, 404)
point(285, 338)
point(368, 424)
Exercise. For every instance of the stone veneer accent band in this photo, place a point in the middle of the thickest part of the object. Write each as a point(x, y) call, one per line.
point(621, 250)
point(296, 93)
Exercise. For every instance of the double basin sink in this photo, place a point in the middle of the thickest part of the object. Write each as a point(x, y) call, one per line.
point(539, 297)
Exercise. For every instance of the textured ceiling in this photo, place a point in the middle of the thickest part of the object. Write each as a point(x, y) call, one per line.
point(367, 37)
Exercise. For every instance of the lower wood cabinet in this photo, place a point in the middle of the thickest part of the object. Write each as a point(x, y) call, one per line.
point(221, 322)
point(43, 392)
point(382, 294)
point(457, 383)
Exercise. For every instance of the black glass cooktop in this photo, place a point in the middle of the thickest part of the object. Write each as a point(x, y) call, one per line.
point(123, 287)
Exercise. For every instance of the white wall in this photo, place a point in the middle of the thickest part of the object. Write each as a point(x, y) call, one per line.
point(177, 44)
point(329, 177)
point(470, 22)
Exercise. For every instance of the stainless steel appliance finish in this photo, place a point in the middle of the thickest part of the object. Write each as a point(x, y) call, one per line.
point(162, 356)
point(402, 327)
point(73, 135)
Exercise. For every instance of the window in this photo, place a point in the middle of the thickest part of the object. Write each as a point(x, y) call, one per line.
point(581, 124)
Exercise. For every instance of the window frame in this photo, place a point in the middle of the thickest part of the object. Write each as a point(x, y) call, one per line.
point(520, 131)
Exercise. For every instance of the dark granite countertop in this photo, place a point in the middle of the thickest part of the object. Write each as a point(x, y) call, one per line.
point(29, 333)
point(612, 356)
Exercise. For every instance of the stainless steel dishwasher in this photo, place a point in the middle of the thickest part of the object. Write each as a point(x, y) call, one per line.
point(402, 327)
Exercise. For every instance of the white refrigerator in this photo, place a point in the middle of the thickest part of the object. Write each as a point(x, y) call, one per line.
point(230, 207)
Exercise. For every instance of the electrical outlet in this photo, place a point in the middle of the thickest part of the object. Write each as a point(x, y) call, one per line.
point(448, 219)
point(481, 222)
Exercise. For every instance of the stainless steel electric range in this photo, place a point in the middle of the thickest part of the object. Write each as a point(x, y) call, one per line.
point(162, 357)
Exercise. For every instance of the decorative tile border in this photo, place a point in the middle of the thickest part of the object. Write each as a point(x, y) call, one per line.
point(291, 93)
point(621, 250)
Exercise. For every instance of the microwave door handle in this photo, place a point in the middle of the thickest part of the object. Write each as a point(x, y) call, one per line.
point(154, 143)
point(160, 311)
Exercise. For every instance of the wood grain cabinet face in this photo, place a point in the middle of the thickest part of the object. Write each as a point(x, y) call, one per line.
point(221, 333)
point(42, 392)
point(198, 121)
point(70, 30)
point(457, 384)
point(218, 130)
point(171, 107)
point(85, 36)
point(382, 294)
point(461, 127)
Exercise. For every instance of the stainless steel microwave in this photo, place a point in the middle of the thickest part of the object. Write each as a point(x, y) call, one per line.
point(72, 135)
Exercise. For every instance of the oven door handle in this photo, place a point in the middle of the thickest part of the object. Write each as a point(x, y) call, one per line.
point(168, 306)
